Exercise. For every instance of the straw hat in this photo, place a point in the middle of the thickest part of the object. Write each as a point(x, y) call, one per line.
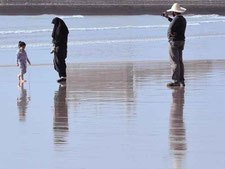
point(176, 8)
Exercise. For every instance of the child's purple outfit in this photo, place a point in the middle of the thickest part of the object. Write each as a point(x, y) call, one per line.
point(22, 60)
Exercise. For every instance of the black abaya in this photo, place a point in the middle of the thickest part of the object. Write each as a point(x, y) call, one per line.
point(60, 35)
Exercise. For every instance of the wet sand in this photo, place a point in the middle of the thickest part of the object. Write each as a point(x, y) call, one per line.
point(117, 115)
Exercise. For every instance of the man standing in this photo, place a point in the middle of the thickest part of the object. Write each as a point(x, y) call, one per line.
point(176, 36)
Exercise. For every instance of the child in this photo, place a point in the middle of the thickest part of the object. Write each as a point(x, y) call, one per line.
point(22, 60)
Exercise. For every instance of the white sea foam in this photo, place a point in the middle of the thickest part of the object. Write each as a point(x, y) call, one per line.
point(89, 29)
point(201, 16)
point(73, 16)
point(206, 36)
point(118, 27)
point(203, 20)
point(24, 31)
point(212, 21)
point(94, 42)
point(213, 16)
point(74, 43)
point(140, 40)
point(34, 45)
point(82, 29)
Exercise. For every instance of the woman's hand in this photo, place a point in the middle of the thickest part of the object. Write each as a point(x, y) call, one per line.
point(173, 34)
point(17, 64)
point(53, 50)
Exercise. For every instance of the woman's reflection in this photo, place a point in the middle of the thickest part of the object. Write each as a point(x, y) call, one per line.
point(177, 131)
point(22, 102)
point(60, 116)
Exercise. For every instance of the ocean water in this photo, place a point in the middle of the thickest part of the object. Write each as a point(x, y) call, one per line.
point(111, 38)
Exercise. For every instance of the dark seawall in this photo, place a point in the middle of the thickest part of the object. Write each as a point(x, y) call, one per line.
point(108, 9)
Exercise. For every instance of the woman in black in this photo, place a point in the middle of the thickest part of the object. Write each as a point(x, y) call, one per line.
point(60, 36)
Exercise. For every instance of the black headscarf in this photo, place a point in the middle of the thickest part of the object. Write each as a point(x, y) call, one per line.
point(60, 29)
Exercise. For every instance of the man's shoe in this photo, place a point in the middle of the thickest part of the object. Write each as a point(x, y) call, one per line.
point(173, 84)
point(62, 79)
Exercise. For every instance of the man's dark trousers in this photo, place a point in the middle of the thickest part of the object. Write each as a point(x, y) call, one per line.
point(176, 60)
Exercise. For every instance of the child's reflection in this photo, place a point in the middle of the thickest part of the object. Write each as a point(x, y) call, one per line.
point(22, 102)
point(60, 115)
point(177, 131)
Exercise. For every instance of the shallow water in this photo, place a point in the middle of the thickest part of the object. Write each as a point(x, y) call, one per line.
point(111, 38)
point(113, 115)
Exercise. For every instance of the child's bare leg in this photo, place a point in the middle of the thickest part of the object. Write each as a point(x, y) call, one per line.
point(19, 84)
point(22, 80)
point(19, 75)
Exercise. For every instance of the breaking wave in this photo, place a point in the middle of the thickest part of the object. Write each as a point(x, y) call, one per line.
point(89, 29)
point(73, 16)
point(94, 42)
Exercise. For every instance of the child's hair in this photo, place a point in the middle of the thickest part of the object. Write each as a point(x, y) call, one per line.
point(21, 43)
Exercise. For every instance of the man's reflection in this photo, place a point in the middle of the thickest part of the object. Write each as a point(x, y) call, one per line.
point(22, 102)
point(60, 115)
point(177, 131)
point(130, 95)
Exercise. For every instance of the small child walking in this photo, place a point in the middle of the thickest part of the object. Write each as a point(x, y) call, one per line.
point(22, 60)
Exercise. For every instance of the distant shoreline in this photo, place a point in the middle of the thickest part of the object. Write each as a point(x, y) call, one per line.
point(104, 9)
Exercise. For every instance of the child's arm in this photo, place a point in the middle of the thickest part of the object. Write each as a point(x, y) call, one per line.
point(17, 59)
point(27, 58)
point(28, 61)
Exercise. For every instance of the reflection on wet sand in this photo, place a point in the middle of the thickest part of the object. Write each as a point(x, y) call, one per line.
point(60, 116)
point(22, 102)
point(177, 133)
point(118, 114)
point(103, 84)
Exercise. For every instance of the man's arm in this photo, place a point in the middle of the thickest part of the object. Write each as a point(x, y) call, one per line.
point(165, 14)
point(170, 19)
point(175, 26)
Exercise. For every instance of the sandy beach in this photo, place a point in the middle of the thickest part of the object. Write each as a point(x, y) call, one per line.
point(115, 111)
point(114, 115)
